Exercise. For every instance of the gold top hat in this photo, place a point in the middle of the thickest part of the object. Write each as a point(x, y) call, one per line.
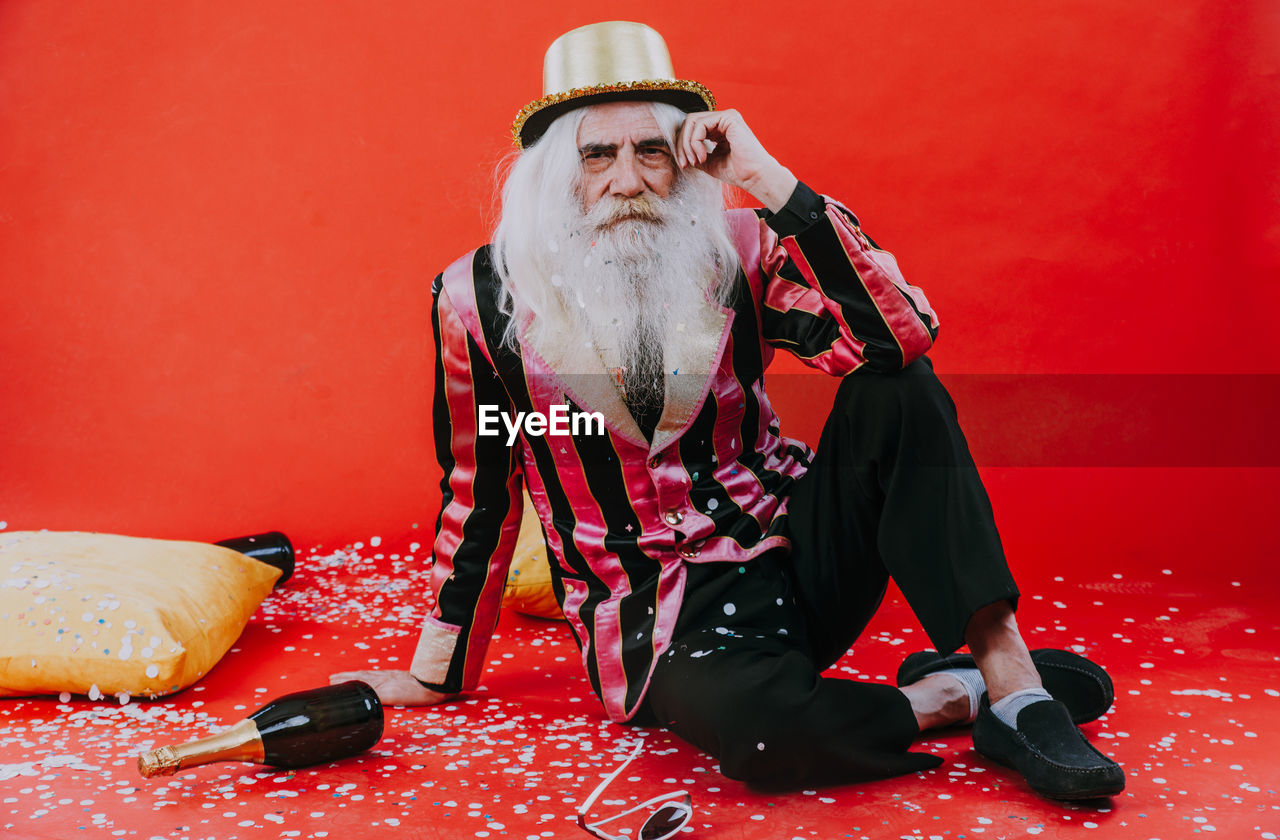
point(606, 62)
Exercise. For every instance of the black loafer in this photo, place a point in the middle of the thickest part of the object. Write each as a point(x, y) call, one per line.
point(1081, 685)
point(1049, 751)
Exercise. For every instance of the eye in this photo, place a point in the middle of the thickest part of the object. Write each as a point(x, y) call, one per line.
point(596, 160)
point(597, 152)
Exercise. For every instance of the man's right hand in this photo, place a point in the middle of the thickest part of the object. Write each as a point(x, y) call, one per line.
point(722, 145)
point(394, 688)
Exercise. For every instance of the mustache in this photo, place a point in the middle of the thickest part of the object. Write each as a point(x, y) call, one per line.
point(609, 211)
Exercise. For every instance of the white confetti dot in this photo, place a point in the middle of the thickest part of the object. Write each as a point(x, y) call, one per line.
point(730, 609)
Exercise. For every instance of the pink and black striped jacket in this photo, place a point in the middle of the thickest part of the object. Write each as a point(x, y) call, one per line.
point(622, 515)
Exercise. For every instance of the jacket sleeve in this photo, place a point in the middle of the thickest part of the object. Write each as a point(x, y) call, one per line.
point(480, 508)
point(832, 296)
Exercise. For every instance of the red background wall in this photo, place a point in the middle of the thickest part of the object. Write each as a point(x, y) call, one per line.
point(218, 225)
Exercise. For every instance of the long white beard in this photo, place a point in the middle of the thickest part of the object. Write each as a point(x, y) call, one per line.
point(635, 277)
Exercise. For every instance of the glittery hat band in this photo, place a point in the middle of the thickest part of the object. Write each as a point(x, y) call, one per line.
point(534, 118)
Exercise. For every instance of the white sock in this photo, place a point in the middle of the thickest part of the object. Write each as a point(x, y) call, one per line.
point(973, 684)
point(1006, 708)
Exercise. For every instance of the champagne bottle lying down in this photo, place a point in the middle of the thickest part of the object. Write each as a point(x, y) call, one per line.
point(309, 727)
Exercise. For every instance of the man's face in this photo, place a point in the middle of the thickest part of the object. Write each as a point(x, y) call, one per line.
point(624, 154)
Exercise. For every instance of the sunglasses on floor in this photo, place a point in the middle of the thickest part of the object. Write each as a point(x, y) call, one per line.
point(669, 812)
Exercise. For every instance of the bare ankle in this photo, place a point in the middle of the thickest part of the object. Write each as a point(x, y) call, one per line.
point(1000, 652)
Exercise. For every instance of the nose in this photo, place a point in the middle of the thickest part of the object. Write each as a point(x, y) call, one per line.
point(627, 181)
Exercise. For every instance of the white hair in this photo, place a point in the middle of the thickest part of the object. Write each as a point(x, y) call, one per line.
point(649, 279)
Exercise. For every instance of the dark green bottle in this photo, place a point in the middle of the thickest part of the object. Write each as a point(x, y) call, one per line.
point(315, 726)
point(272, 548)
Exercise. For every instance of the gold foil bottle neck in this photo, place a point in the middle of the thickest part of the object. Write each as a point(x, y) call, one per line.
point(161, 762)
point(239, 743)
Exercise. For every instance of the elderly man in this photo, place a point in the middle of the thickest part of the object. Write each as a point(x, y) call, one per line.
point(709, 568)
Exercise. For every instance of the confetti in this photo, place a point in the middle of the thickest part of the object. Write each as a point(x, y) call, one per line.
point(516, 757)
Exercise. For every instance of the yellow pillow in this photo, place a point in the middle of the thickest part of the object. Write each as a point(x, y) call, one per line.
point(103, 614)
point(528, 588)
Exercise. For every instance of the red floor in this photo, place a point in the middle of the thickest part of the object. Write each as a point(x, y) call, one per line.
point(1191, 641)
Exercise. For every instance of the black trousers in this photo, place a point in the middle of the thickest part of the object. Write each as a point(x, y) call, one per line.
point(892, 493)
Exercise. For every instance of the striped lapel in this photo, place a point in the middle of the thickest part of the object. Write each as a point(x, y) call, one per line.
point(687, 387)
point(689, 379)
point(577, 372)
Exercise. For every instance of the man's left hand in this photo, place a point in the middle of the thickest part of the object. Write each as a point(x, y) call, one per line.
point(394, 688)
point(721, 144)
